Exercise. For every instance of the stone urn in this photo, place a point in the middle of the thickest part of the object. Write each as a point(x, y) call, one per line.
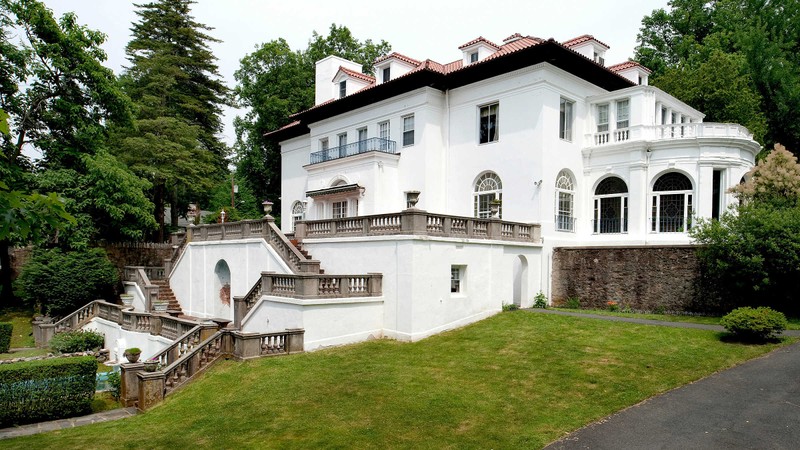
point(132, 355)
point(160, 307)
point(127, 299)
point(151, 365)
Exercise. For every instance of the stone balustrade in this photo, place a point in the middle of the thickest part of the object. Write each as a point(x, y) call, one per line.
point(141, 276)
point(262, 228)
point(306, 287)
point(127, 319)
point(190, 356)
point(418, 222)
point(668, 132)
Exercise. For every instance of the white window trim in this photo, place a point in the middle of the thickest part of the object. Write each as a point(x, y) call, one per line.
point(412, 130)
point(567, 126)
point(496, 125)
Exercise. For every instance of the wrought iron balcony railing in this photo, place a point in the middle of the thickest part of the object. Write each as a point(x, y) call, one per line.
point(367, 145)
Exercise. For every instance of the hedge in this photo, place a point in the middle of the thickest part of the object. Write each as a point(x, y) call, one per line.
point(48, 389)
point(77, 341)
point(5, 336)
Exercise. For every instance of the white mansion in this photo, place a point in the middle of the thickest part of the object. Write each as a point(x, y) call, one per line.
point(424, 198)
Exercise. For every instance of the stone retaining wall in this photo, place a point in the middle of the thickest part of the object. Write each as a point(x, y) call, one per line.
point(642, 278)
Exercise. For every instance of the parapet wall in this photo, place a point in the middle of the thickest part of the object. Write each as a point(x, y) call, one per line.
point(646, 278)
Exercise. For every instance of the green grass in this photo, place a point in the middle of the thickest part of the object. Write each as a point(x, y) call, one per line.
point(516, 380)
point(21, 320)
point(25, 353)
point(794, 322)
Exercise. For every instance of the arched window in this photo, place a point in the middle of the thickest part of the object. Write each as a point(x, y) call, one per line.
point(672, 203)
point(298, 212)
point(611, 206)
point(565, 201)
point(488, 188)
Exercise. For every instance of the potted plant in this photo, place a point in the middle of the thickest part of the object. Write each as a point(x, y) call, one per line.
point(151, 365)
point(160, 306)
point(127, 299)
point(132, 354)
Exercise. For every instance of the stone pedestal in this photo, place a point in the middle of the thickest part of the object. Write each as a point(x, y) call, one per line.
point(151, 389)
point(129, 383)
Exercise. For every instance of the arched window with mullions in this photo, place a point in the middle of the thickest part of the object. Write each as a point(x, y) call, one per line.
point(298, 212)
point(611, 206)
point(488, 188)
point(672, 203)
point(565, 201)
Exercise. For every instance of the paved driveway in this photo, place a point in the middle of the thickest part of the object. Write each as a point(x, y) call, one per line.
point(755, 405)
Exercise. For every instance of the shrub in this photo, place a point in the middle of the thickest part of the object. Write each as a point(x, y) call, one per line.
point(5, 336)
point(76, 341)
point(540, 300)
point(60, 282)
point(612, 306)
point(573, 303)
point(510, 307)
point(115, 382)
point(754, 323)
point(46, 389)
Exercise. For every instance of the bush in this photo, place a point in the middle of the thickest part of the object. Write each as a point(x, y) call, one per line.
point(573, 303)
point(540, 300)
point(46, 389)
point(60, 282)
point(754, 323)
point(5, 336)
point(76, 341)
point(115, 382)
point(510, 307)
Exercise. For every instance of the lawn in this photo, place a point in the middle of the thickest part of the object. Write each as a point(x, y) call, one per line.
point(794, 322)
point(21, 321)
point(516, 380)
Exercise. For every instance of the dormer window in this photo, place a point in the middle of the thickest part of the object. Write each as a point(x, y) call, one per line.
point(342, 88)
point(387, 74)
point(473, 57)
point(599, 59)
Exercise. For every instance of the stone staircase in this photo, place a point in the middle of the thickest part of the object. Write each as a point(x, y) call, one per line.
point(299, 246)
point(165, 294)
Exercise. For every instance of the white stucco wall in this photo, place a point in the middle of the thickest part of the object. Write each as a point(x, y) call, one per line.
point(117, 339)
point(194, 281)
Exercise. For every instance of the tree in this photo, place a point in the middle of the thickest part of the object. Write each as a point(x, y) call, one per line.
point(174, 82)
point(736, 54)
point(751, 256)
point(275, 82)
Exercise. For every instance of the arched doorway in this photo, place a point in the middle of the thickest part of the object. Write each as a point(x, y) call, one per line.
point(222, 282)
point(520, 279)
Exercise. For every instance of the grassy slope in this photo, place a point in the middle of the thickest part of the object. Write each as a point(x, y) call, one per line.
point(514, 380)
point(21, 320)
point(794, 322)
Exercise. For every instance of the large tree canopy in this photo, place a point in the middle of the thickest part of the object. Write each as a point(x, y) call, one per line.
point(735, 60)
point(276, 81)
point(175, 85)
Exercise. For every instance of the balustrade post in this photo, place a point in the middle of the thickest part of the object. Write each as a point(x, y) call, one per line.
point(239, 311)
point(365, 226)
point(375, 284)
point(245, 230)
point(494, 229)
point(447, 225)
point(294, 340)
point(129, 383)
point(300, 230)
point(266, 282)
point(151, 389)
point(222, 231)
point(470, 228)
point(536, 232)
point(155, 325)
point(207, 331)
point(43, 331)
point(344, 286)
point(306, 286)
point(167, 267)
point(413, 221)
point(246, 345)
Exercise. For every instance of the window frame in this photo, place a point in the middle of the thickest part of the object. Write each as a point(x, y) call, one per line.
point(457, 279)
point(343, 89)
point(386, 74)
point(623, 109)
point(407, 142)
point(482, 196)
point(565, 195)
point(492, 133)
point(566, 118)
point(657, 221)
point(602, 126)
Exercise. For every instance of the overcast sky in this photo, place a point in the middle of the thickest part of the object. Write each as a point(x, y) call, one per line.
point(419, 29)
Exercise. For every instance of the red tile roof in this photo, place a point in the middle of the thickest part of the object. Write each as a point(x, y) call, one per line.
point(476, 40)
point(581, 39)
point(399, 56)
point(354, 74)
point(512, 37)
point(627, 65)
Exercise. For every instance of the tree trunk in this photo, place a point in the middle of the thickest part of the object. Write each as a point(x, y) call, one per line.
point(158, 201)
point(173, 206)
point(6, 291)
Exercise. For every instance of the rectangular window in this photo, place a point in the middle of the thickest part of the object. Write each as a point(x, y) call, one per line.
point(456, 279)
point(473, 57)
point(387, 74)
point(342, 88)
point(323, 144)
point(488, 126)
point(623, 114)
point(565, 119)
point(663, 116)
point(340, 210)
point(716, 195)
point(362, 140)
point(408, 130)
point(342, 145)
point(383, 134)
point(602, 118)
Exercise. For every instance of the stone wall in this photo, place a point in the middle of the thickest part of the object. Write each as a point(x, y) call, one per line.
point(642, 278)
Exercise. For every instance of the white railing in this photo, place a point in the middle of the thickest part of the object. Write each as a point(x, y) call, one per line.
point(667, 132)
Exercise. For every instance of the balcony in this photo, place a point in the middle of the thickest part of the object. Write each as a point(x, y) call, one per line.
point(356, 148)
point(667, 132)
